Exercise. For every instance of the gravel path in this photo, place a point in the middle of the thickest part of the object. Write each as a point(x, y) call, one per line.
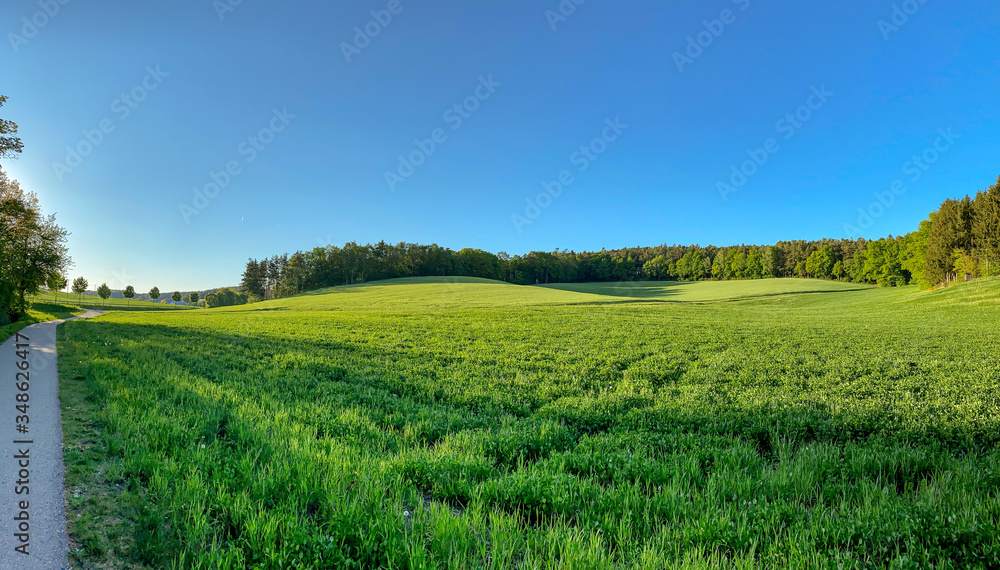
point(32, 512)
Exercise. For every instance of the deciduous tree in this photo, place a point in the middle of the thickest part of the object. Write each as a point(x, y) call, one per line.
point(80, 287)
point(10, 144)
point(103, 292)
point(32, 248)
point(55, 282)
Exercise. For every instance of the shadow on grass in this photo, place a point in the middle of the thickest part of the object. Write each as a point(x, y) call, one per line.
point(353, 390)
point(356, 287)
point(388, 377)
point(57, 310)
point(639, 289)
point(39, 312)
point(662, 291)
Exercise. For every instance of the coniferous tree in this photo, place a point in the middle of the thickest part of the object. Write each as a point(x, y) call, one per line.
point(950, 231)
point(986, 227)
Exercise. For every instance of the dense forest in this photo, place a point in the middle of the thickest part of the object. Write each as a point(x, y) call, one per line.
point(959, 241)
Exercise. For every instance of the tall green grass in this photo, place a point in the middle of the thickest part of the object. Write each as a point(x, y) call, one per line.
point(430, 424)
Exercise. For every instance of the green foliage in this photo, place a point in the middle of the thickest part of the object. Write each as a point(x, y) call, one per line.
point(838, 270)
point(175, 296)
point(225, 297)
point(10, 145)
point(40, 312)
point(154, 293)
point(950, 231)
point(80, 286)
point(474, 424)
point(55, 282)
point(657, 268)
point(104, 291)
point(821, 262)
point(915, 254)
point(719, 265)
point(986, 228)
point(32, 247)
point(883, 263)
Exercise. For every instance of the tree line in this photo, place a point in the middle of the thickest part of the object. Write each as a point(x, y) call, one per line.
point(223, 297)
point(960, 240)
point(226, 297)
point(80, 284)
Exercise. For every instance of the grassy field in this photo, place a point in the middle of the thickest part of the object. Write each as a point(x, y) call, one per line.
point(707, 291)
point(95, 302)
point(45, 308)
point(450, 423)
point(40, 312)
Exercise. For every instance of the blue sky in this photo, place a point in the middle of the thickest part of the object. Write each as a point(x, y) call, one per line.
point(554, 85)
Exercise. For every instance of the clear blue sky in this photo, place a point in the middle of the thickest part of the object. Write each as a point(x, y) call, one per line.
point(322, 177)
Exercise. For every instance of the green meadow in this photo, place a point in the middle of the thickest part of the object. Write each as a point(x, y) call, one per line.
point(468, 423)
point(46, 307)
point(96, 303)
point(40, 312)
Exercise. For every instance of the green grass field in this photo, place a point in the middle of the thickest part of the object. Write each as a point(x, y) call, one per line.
point(40, 312)
point(45, 307)
point(707, 291)
point(95, 302)
point(461, 423)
